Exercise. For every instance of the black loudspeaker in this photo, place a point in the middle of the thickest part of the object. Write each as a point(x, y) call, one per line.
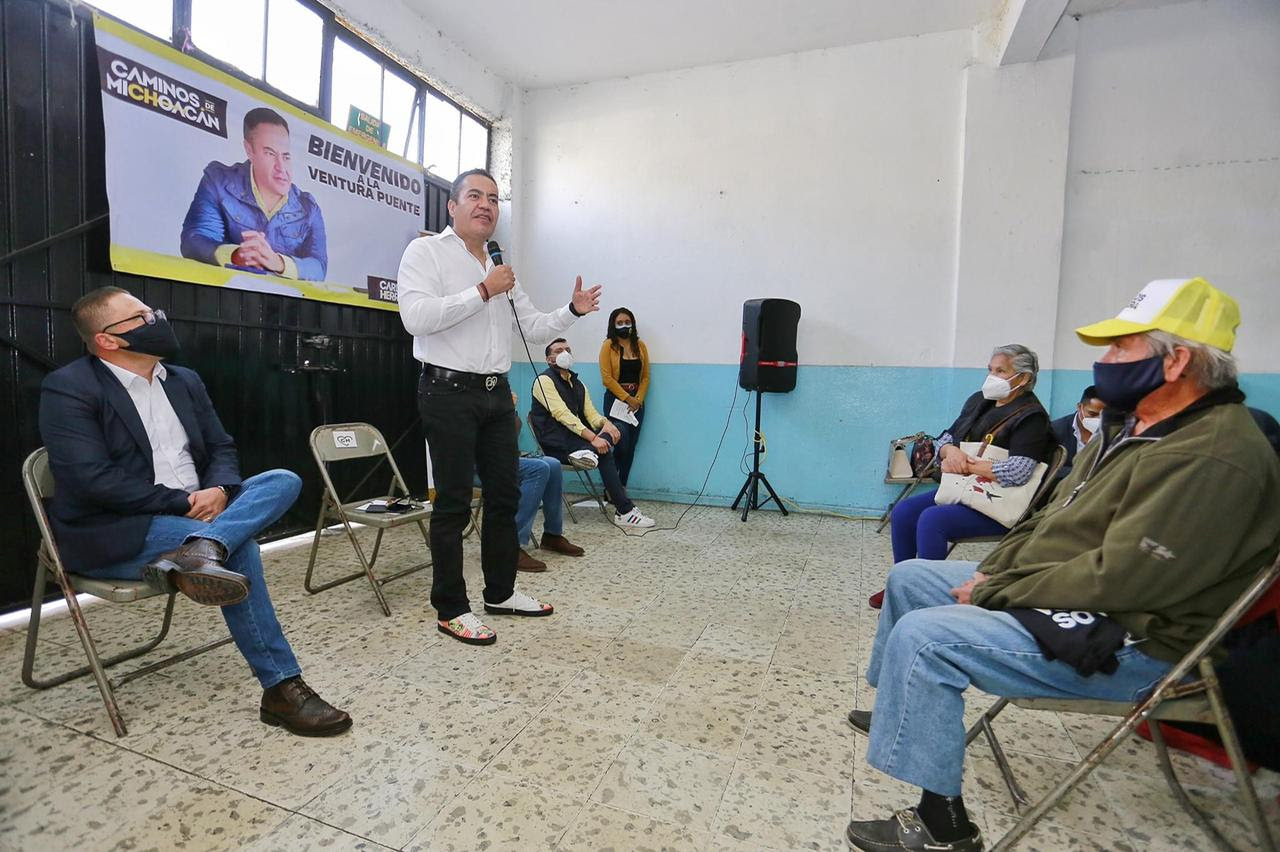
point(769, 356)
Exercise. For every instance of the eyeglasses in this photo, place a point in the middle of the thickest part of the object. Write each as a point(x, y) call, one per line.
point(148, 316)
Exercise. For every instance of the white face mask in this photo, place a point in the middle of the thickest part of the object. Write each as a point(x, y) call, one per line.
point(564, 360)
point(1091, 424)
point(996, 388)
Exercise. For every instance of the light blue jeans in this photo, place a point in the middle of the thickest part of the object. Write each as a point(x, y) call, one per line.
point(928, 650)
point(261, 501)
point(540, 482)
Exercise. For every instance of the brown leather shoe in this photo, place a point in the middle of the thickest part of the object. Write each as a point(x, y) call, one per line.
point(527, 563)
point(196, 569)
point(560, 544)
point(294, 706)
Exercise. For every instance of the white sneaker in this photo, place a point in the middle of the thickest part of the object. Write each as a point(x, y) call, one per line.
point(633, 519)
point(519, 604)
point(584, 459)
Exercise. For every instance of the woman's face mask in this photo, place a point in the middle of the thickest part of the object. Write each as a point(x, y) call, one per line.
point(623, 329)
point(996, 388)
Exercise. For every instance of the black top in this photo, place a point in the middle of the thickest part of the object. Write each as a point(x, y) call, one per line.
point(1024, 433)
point(629, 371)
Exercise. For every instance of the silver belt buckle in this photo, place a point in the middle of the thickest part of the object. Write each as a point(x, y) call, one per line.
point(490, 382)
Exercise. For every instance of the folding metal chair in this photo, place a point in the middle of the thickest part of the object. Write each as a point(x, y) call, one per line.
point(347, 442)
point(1198, 700)
point(38, 481)
point(584, 477)
point(1056, 461)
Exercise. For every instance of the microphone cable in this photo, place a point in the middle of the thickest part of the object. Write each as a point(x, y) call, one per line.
point(495, 254)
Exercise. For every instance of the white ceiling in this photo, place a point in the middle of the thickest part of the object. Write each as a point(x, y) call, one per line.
point(539, 43)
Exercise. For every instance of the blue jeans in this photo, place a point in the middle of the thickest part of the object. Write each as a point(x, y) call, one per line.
point(625, 452)
point(261, 501)
point(921, 528)
point(540, 482)
point(931, 649)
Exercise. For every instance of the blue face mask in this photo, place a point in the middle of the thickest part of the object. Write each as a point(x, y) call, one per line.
point(1123, 386)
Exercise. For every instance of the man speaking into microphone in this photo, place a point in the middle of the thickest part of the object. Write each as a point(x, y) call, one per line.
point(457, 301)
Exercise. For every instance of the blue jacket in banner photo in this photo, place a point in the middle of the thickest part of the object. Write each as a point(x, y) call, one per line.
point(224, 208)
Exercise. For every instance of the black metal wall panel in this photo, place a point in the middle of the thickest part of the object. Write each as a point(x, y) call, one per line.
point(244, 345)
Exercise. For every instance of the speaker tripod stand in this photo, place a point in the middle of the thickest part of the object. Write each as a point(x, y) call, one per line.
point(749, 495)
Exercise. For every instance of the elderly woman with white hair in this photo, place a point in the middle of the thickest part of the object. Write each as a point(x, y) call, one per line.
point(1006, 409)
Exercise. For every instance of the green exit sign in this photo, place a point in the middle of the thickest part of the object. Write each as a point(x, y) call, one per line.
point(367, 126)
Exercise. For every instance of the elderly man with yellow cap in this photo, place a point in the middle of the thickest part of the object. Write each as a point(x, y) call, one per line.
point(1162, 523)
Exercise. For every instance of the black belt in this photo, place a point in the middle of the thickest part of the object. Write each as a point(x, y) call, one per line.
point(480, 381)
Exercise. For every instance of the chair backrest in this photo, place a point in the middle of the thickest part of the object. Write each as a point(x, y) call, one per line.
point(37, 479)
point(534, 432)
point(336, 442)
point(1056, 460)
point(346, 441)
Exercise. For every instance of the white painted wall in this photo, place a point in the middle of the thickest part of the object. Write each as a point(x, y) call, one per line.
point(830, 177)
point(1015, 163)
point(1175, 165)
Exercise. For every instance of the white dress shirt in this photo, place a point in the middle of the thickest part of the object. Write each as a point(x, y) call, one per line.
point(170, 447)
point(452, 326)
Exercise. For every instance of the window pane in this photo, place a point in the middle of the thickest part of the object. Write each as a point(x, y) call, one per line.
point(153, 16)
point(357, 81)
point(475, 145)
point(294, 35)
point(231, 30)
point(441, 155)
point(415, 144)
point(397, 103)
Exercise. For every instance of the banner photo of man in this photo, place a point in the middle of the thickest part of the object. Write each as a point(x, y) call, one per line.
point(250, 192)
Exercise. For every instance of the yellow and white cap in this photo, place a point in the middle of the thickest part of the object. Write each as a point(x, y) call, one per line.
point(1191, 308)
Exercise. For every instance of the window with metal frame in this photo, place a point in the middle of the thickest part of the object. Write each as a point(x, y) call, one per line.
point(298, 51)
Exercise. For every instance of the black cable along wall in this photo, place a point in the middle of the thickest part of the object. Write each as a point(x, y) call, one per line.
point(51, 180)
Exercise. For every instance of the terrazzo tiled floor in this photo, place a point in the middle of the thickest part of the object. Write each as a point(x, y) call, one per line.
point(688, 694)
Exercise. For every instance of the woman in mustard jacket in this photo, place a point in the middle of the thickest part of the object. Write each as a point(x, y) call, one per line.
point(624, 370)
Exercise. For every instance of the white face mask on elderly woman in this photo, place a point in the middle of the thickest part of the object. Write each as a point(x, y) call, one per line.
point(996, 388)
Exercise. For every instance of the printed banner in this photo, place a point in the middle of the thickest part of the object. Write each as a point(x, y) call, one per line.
point(212, 181)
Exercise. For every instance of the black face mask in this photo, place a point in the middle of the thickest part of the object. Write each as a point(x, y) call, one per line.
point(1123, 386)
point(622, 330)
point(156, 339)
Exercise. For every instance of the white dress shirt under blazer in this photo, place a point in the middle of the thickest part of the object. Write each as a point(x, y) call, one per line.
point(452, 326)
point(170, 446)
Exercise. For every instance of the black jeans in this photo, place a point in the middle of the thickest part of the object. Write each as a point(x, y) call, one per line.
point(470, 431)
point(608, 470)
point(626, 449)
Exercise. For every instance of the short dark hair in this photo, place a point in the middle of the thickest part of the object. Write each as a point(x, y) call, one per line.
point(547, 351)
point(87, 311)
point(262, 115)
point(455, 189)
point(1090, 392)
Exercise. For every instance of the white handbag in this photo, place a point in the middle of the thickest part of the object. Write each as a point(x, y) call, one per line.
point(1004, 504)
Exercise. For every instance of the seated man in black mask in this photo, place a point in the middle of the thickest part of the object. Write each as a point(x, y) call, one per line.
point(148, 486)
point(568, 427)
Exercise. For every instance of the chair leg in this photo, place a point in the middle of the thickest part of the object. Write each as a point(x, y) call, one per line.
point(1175, 787)
point(907, 489)
point(1231, 742)
point(86, 640)
point(568, 507)
point(585, 478)
point(983, 726)
point(1078, 773)
point(315, 547)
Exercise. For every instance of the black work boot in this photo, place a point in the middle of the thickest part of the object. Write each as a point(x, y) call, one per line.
point(196, 569)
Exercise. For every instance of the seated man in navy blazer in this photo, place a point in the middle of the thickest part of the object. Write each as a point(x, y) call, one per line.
point(148, 486)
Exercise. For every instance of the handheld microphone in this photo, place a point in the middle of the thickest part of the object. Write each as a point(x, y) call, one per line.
point(495, 252)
